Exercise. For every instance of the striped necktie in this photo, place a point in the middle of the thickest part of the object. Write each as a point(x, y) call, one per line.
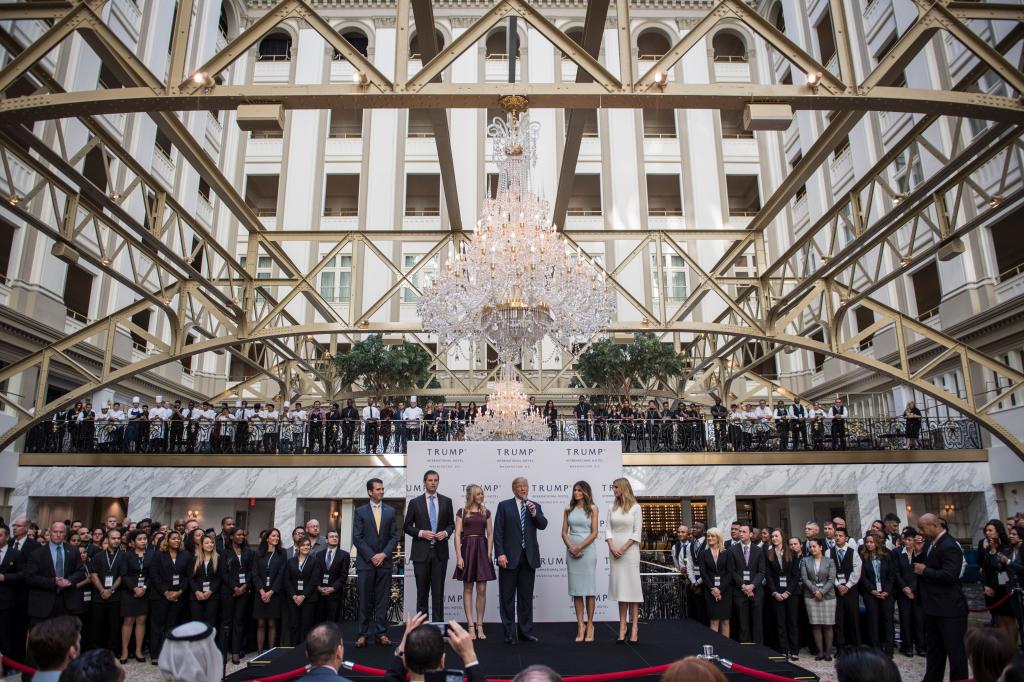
point(522, 523)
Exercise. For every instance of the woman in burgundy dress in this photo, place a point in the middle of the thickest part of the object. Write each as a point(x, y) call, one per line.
point(474, 546)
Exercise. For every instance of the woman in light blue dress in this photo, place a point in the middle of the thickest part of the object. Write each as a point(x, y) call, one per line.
point(579, 530)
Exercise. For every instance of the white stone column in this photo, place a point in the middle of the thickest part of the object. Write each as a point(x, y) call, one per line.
point(140, 507)
point(347, 508)
point(725, 511)
point(284, 516)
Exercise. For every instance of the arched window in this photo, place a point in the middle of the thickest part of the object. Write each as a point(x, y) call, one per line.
point(729, 47)
point(414, 45)
point(356, 39)
point(777, 18)
point(652, 45)
point(276, 47)
point(497, 45)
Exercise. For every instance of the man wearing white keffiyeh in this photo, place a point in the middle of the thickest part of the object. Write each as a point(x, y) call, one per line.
point(190, 654)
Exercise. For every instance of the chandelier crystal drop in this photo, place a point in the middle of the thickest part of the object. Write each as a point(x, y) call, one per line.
point(517, 279)
point(508, 416)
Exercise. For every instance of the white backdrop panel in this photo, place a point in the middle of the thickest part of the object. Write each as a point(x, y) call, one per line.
point(552, 468)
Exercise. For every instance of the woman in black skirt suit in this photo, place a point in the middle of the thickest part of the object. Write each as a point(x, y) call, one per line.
point(268, 573)
point(995, 543)
point(302, 577)
point(169, 573)
point(783, 591)
point(715, 573)
point(205, 583)
point(134, 593)
point(236, 594)
point(877, 589)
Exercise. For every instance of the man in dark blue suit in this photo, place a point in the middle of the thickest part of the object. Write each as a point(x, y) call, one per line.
point(375, 535)
point(942, 600)
point(325, 651)
point(515, 545)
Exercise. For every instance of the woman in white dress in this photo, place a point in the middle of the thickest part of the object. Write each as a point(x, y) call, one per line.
point(625, 523)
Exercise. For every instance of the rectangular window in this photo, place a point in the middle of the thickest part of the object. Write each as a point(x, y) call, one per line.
point(336, 280)
point(77, 292)
point(1009, 247)
point(659, 122)
point(744, 195)
point(140, 320)
point(341, 195)
point(6, 242)
point(421, 278)
point(423, 195)
point(586, 195)
point(663, 195)
point(346, 123)
point(865, 317)
point(927, 291)
point(261, 194)
point(818, 357)
point(674, 279)
point(204, 190)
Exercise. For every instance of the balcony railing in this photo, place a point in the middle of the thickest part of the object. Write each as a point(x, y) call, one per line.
point(325, 436)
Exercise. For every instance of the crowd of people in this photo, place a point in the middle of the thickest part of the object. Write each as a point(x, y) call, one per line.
point(760, 586)
point(131, 586)
point(329, 428)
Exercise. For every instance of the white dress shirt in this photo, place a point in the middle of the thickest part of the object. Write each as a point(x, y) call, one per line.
point(371, 412)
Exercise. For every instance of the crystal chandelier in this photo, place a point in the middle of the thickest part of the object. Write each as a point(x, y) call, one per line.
point(516, 280)
point(508, 416)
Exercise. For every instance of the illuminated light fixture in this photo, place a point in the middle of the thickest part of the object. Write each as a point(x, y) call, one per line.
point(660, 79)
point(104, 261)
point(13, 200)
point(115, 196)
point(202, 78)
point(826, 258)
point(167, 301)
point(905, 261)
point(995, 200)
point(192, 513)
point(909, 508)
point(359, 78)
point(949, 508)
point(814, 80)
point(899, 198)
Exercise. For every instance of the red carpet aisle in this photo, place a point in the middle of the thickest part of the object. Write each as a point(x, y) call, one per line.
point(660, 642)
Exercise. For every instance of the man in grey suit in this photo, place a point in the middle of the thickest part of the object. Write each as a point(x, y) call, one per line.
point(316, 541)
point(518, 555)
point(375, 536)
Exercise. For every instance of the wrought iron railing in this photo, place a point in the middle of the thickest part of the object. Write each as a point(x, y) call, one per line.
point(325, 436)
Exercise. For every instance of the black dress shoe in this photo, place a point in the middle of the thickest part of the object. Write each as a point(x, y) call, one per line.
point(529, 638)
point(509, 639)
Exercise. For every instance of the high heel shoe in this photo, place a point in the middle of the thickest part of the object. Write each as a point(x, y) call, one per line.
point(634, 641)
point(589, 637)
point(580, 632)
point(140, 658)
point(123, 660)
point(480, 631)
point(472, 631)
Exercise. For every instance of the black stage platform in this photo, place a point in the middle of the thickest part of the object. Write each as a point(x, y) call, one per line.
point(660, 642)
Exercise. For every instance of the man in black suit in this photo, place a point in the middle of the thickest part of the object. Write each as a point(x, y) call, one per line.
point(516, 523)
point(12, 573)
point(335, 575)
point(430, 521)
point(325, 651)
point(375, 536)
point(748, 571)
point(848, 569)
point(943, 602)
point(223, 541)
point(51, 574)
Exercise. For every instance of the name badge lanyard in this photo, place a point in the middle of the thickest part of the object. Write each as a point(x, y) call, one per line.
point(269, 560)
point(142, 576)
point(206, 574)
point(241, 570)
point(108, 579)
point(300, 581)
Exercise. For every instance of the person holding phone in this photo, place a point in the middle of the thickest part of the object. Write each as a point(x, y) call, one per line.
point(518, 555)
point(421, 657)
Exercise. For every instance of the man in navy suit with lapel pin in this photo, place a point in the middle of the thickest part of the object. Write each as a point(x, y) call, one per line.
point(942, 600)
point(375, 536)
point(515, 546)
point(430, 521)
point(51, 574)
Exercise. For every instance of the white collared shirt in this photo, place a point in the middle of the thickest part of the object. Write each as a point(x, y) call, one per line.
point(371, 412)
point(413, 413)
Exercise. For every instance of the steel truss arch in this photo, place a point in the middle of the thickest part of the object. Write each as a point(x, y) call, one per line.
point(229, 308)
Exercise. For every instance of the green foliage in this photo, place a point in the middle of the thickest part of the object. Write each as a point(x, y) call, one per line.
point(383, 369)
point(619, 368)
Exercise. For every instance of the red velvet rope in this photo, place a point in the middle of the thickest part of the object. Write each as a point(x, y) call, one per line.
point(283, 677)
point(758, 674)
point(20, 667)
point(999, 603)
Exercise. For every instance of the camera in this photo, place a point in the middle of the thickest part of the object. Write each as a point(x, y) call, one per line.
point(447, 675)
point(441, 626)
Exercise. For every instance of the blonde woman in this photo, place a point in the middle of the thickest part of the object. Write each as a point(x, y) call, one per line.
point(716, 574)
point(205, 583)
point(579, 531)
point(625, 524)
point(474, 547)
